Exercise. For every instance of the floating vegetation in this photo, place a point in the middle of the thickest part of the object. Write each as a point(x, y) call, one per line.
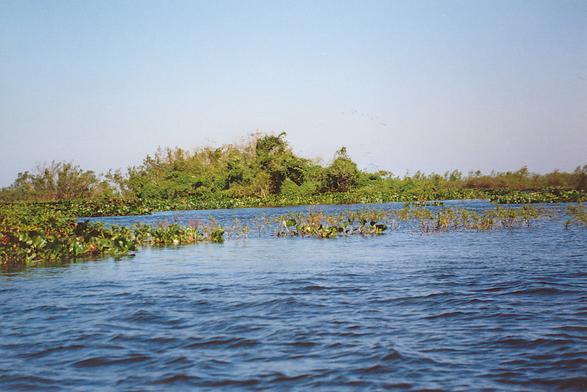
point(32, 233)
point(369, 222)
point(552, 195)
point(317, 224)
point(108, 206)
point(577, 215)
point(372, 222)
point(29, 237)
point(424, 203)
point(465, 219)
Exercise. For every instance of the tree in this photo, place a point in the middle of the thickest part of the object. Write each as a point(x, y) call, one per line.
point(58, 181)
point(342, 174)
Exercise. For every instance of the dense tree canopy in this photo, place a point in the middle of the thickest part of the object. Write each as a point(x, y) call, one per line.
point(262, 167)
point(56, 181)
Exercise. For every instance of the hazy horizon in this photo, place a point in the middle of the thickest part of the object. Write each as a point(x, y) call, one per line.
point(405, 86)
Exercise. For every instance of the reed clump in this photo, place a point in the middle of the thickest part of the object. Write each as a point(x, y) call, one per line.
point(377, 221)
point(465, 219)
point(577, 215)
point(426, 220)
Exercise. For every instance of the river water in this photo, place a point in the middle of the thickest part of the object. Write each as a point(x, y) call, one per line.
point(500, 310)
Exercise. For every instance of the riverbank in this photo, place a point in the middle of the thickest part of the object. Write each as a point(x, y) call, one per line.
point(120, 206)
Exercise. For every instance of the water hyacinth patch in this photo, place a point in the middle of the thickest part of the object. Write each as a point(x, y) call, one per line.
point(27, 238)
point(317, 224)
point(32, 233)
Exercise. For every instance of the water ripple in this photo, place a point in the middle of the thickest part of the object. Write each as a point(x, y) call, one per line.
point(503, 310)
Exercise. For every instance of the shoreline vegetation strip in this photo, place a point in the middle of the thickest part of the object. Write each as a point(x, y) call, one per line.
point(30, 234)
point(264, 172)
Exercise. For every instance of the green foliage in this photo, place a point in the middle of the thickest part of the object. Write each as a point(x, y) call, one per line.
point(38, 211)
point(342, 174)
point(523, 180)
point(56, 181)
point(265, 172)
point(548, 195)
point(275, 158)
point(426, 219)
point(317, 224)
point(33, 233)
point(291, 189)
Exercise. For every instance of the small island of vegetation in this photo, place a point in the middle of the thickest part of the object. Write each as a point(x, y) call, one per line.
point(39, 212)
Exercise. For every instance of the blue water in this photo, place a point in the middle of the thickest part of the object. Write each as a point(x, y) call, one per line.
point(500, 310)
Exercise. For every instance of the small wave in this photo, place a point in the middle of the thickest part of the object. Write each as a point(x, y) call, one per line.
point(43, 353)
point(162, 339)
point(314, 288)
point(352, 334)
point(143, 316)
point(47, 308)
point(101, 361)
point(444, 315)
point(302, 344)
point(478, 300)
point(571, 363)
point(180, 360)
point(280, 377)
point(400, 385)
point(233, 383)
point(33, 380)
point(577, 328)
point(375, 369)
point(494, 289)
point(574, 383)
point(541, 291)
point(230, 342)
point(392, 355)
point(570, 383)
point(121, 336)
point(505, 375)
point(407, 299)
point(123, 294)
point(175, 379)
point(528, 343)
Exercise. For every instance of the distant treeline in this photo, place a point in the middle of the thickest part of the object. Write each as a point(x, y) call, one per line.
point(264, 167)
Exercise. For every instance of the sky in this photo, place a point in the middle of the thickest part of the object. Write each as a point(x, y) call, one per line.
point(404, 85)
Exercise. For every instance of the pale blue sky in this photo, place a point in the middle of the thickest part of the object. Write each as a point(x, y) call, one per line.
point(405, 85)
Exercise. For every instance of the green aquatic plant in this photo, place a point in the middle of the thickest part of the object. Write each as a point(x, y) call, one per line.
point(577, 215)
point(320, 225)
point(427, 220)
point(30, 235)
point(541, 195)
point(115, 205)
point(37, 232)
point(175, 234)
point(446, 219)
